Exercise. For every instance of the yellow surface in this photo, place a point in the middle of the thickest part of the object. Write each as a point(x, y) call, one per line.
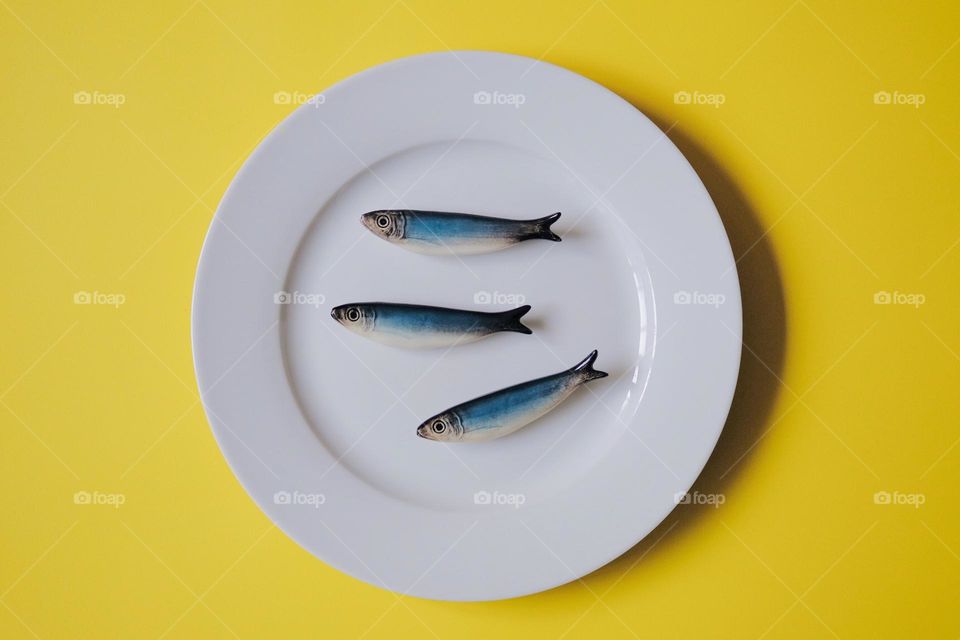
point(829, 198)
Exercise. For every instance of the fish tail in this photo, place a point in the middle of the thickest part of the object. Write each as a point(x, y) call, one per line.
point(540, 228)
point(585, 369)
point(510, 320)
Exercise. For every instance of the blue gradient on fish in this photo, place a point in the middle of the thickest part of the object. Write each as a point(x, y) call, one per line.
point(442, 233)
point(422, 327)
point(502, 412)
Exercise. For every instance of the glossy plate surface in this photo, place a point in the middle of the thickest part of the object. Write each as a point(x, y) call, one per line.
point(319, 424)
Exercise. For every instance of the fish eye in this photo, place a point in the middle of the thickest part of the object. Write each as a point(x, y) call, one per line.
point(353, 314)
point(383, 222)
point(439, 426)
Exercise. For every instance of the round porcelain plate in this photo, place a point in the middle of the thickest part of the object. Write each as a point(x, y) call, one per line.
point(319, 423)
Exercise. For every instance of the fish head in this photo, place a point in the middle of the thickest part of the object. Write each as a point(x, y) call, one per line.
point(443, 427)
point(357, 317)
point(388, 225)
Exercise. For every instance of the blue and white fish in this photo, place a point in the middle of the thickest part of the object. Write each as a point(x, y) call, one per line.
point(502, 412)
point(440, 233)
point(419, 327)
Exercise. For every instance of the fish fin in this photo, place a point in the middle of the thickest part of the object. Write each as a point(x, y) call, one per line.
point(585, 368)
point(540, 228)
point(511, 320)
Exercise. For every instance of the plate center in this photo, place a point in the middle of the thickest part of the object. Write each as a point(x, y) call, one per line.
point(364, 400)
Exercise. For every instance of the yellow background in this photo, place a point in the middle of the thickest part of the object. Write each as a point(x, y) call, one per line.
point(829, 198)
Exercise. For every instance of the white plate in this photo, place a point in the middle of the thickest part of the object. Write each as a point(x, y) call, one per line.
point(319, 424)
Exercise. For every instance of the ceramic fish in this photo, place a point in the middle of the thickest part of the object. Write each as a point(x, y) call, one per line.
point(419, 327)
point(502, 412)
point(440, 233)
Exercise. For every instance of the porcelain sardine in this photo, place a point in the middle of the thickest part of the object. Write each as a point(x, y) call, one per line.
point(421, 327)
point(502, 412)
point(441, 233)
